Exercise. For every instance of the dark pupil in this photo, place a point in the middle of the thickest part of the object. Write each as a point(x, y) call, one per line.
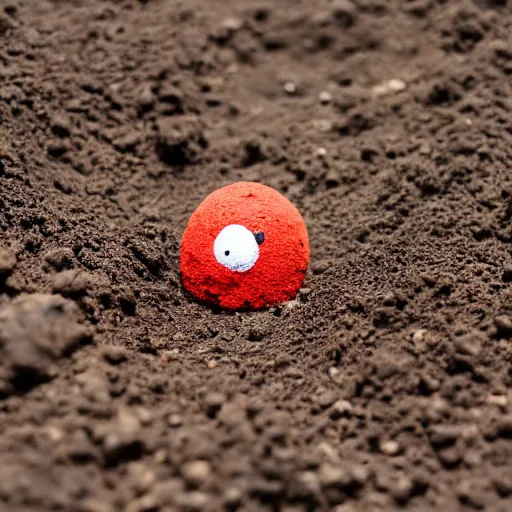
point(226, 253)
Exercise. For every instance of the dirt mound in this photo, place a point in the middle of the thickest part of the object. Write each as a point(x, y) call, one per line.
point(384, 384)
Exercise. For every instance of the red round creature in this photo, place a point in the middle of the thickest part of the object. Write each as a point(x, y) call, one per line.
point(245, 247)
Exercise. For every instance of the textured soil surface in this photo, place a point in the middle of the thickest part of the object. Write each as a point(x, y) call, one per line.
point(385, 385)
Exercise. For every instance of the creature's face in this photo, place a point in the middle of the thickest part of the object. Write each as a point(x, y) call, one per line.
point(236, 248)
point(245, 246)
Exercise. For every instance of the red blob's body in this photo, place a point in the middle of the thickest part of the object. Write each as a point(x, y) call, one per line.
point(283, 257)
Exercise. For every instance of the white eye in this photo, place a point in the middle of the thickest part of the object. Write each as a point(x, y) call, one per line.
point(236, 248)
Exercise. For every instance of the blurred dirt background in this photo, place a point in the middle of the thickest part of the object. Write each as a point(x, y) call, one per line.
point(385, 385)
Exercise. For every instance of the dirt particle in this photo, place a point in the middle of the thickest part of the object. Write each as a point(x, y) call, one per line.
point(127, 300)
point(175, 420)
point(304, 293)
point(7, 260)
point(504, 426)
point(61, 125)
point(36, 332)
point(121, 439)
point(326, 399)
point(213, 402)
point(196, 473)
point(141, 478)
point(443, 435)
point(290, 88)
point(390, 448)
point(232, 24)
point(232, 498)
point(180, 141)
point(305, 486)
point(340, 409)
point(469, 494)
point(257, 333)
point(450, 457)
point(146, 99)
point(344, 13)
point(401, 170)
point(172, 97)
point(81, 450)
point(127, 142)
point(402, 490)
point(394, 85)
point(502, 483)
point(503, 324)
point(319, 267)
point(333, 476)
point(115, 354)
point(325, 97)
point(499, 400)
point(266, 490)
point(468, 345)
point(57, 148)
point(71, 283)
point(195, 501)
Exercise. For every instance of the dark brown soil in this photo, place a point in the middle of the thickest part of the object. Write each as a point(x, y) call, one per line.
point(385, 384)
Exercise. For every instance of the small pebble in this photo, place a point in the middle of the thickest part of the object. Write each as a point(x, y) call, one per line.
point(232, 497)
point(390, 448)
point(304, 293)
point(196, 472)
point(392, 86)
point(340, 409)
point(232, 24)
point(402, 491)
point(306, 486)
point(140, 477)
point(319, 267)
point(175, 420)
point(499, 400)
point(326, 399)
point(7, 260)
point(325, 97)
point(290, 88)
point(323, 125)
point(359, 475)
point(380, 90)
point(396, 85)
point(419, 335)
point(333, 476)
point(146, 97)
point(504, 325)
